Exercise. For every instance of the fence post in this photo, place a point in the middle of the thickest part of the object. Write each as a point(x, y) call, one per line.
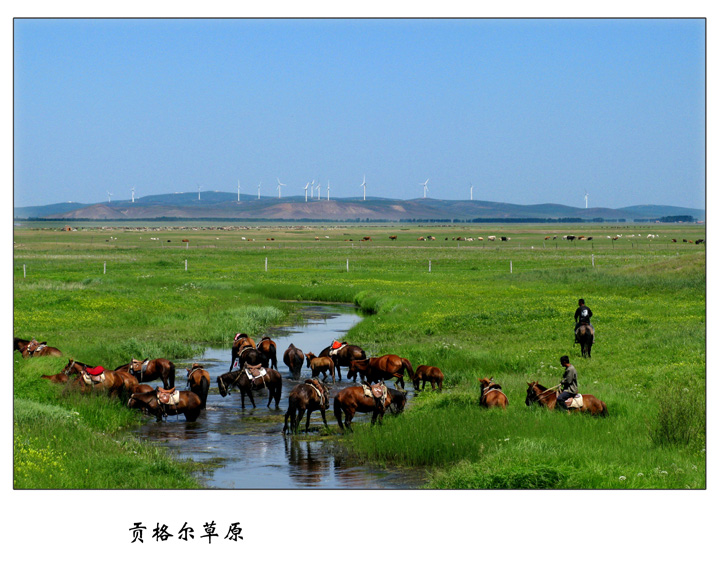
point(593, 260)
point(185, 265)
point(104, 267)
point(429, 265)
point(24, 273)
point(510, 266)
point(265, 263)
point(347, 265)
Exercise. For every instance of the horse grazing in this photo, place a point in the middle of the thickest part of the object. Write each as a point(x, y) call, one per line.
point(269, 349)
point(428, 374)
point(199, 382)
point(382, 368)
point(584, 336)
point(246, 384)
point(343, 357)
point(321, 365)
point(353, 399)
point(31, 348)
point(311, 395)
point(538, 394)
point(111, 382)
point(491, 394)
point(186, 403)
point(293, 359)
point(149, 370)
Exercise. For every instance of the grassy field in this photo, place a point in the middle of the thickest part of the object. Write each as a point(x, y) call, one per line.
point(473, 308)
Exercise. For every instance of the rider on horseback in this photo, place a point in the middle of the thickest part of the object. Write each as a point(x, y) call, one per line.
point(582, 316)
point(568, 384)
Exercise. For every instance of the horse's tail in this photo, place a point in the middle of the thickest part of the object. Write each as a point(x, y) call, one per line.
point(604, 411)
point(408, 367)
point(171, 376)
point(337, 409)
point(205, 383)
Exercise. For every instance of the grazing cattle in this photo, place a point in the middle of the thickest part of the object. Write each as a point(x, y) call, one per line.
point(581, 237)
point(393, 237)
point(491, 238)
point(366, 239)
point(547, 237)
point(700, 241)
point(431, 237)
point(615, 238)
point(569, 237)
point(674, 239)
point(421, 239)
point(504, 238)
point(480, 238)
point(589, 238)
point(685, 240)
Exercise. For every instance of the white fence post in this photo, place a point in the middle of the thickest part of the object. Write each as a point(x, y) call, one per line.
point(185, 265)
point(347, 265)
point(429, 265)
point(24, 273)
point(265, 263)
point(593, 260)
point(510, 266)
point(104, 267)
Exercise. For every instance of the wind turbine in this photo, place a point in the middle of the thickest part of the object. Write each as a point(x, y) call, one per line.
point(471, 189)
point(318, 189)
point(425, 187)
point(363, 186)
point(306, 187)
point(312, 189)
point(132, 194)
point(198, 192)
point(259, 184)
point(328, 190)
point(586, 199)
point(109, 194)
point(279, 188)
point(238, 190)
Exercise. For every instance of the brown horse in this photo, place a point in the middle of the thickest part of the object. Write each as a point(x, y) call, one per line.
point(538, 394)
point(32, 348)
point(240, 380)
point(311, 395)
point(149, 370)
point(321, 365)
point(199, 382)
point(343, 357)
point(241, 341)
point(293, 359)
point(353, 399)
point(382, 368)
point(187, 404)
point(269, 350)
point(491, 394)
point(111, 382)
point(247, 355)
point(584, 336)
point(428, 374)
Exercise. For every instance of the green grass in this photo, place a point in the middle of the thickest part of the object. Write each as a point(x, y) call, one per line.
point(470, 316)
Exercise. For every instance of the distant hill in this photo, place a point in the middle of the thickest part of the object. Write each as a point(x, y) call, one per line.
point(225, 206)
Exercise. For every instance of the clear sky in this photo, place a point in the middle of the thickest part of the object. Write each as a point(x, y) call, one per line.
point(527, 111)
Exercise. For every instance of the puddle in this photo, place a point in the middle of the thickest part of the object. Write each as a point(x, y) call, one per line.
point(248, 445)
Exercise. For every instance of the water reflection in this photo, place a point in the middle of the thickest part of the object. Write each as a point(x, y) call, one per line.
point(249, 444)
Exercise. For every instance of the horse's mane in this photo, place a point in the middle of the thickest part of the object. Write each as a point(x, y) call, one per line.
point(540, 386)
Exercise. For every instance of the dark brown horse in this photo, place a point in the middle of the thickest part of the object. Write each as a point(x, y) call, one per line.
point(269, 350)
point(428, 374)
point(311, 395)
point(322, 365)
point(585, 336)
point(242, 341)
point(293, 359)
point(187, 404)
point(149, 370)
point(538, 394)
point(353, 399)
point(32, 348)
point(343, 357)
point(382, 368)
point(491, 394)
point(247, 355)
point(240, 380)
point(199, 382)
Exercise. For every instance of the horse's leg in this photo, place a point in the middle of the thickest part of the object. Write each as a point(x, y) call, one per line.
point(307, 422)
point(322, 413)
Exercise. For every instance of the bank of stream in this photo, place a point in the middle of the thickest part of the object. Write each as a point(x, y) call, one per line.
point(247, 448)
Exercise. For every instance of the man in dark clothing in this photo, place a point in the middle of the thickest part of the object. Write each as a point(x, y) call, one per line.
point(568, 384)
point(582, 316)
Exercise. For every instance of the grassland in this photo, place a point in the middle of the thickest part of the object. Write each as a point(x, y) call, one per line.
point(472, 308)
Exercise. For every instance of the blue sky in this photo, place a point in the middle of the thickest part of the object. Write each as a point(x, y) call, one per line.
point(527, 111)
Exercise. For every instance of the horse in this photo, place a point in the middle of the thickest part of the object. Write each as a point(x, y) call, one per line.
point(199, 382)
point(320, 365)
point(269, 349)
point(584, 336)
point(491, 394)
point(293, 359)
point(241, 341)
point(353, 399)
point(188, 404)
point(149, 370)
point(247, 355)
point(538, 394)
point(343, 357)
point(311, 395)
point(31, 348)
point(239, 378)
point(428, 374)
point(112, 382)
point(382, 368)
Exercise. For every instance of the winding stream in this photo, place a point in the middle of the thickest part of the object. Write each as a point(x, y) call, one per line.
point(248, 446)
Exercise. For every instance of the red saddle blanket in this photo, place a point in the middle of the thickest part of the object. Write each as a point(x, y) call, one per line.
point(96, 371)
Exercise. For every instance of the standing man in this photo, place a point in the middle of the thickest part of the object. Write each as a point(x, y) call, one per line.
point(568, 384)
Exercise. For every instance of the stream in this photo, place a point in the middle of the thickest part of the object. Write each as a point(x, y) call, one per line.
point(247, 447)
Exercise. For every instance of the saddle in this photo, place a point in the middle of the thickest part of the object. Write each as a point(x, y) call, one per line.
point(256, 372)
point(336, 347)
point(93, 376)
point(143, 367)
point(318, 390)
point(35, 346)
point(171, 396)
point(575, 402)
point(377, 390)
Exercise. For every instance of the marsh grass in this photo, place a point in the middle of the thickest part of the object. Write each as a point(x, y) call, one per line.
point(470, 316)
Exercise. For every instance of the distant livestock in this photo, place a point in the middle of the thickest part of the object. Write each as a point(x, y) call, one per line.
point(700, 241)
point(393, 237)
point(491, 238)
point(366, 239)
point(504, 238)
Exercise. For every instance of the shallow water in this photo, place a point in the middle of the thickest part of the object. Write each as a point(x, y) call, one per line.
point(248, 445)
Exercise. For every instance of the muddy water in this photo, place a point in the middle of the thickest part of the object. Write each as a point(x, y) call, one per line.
point(248, 447)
